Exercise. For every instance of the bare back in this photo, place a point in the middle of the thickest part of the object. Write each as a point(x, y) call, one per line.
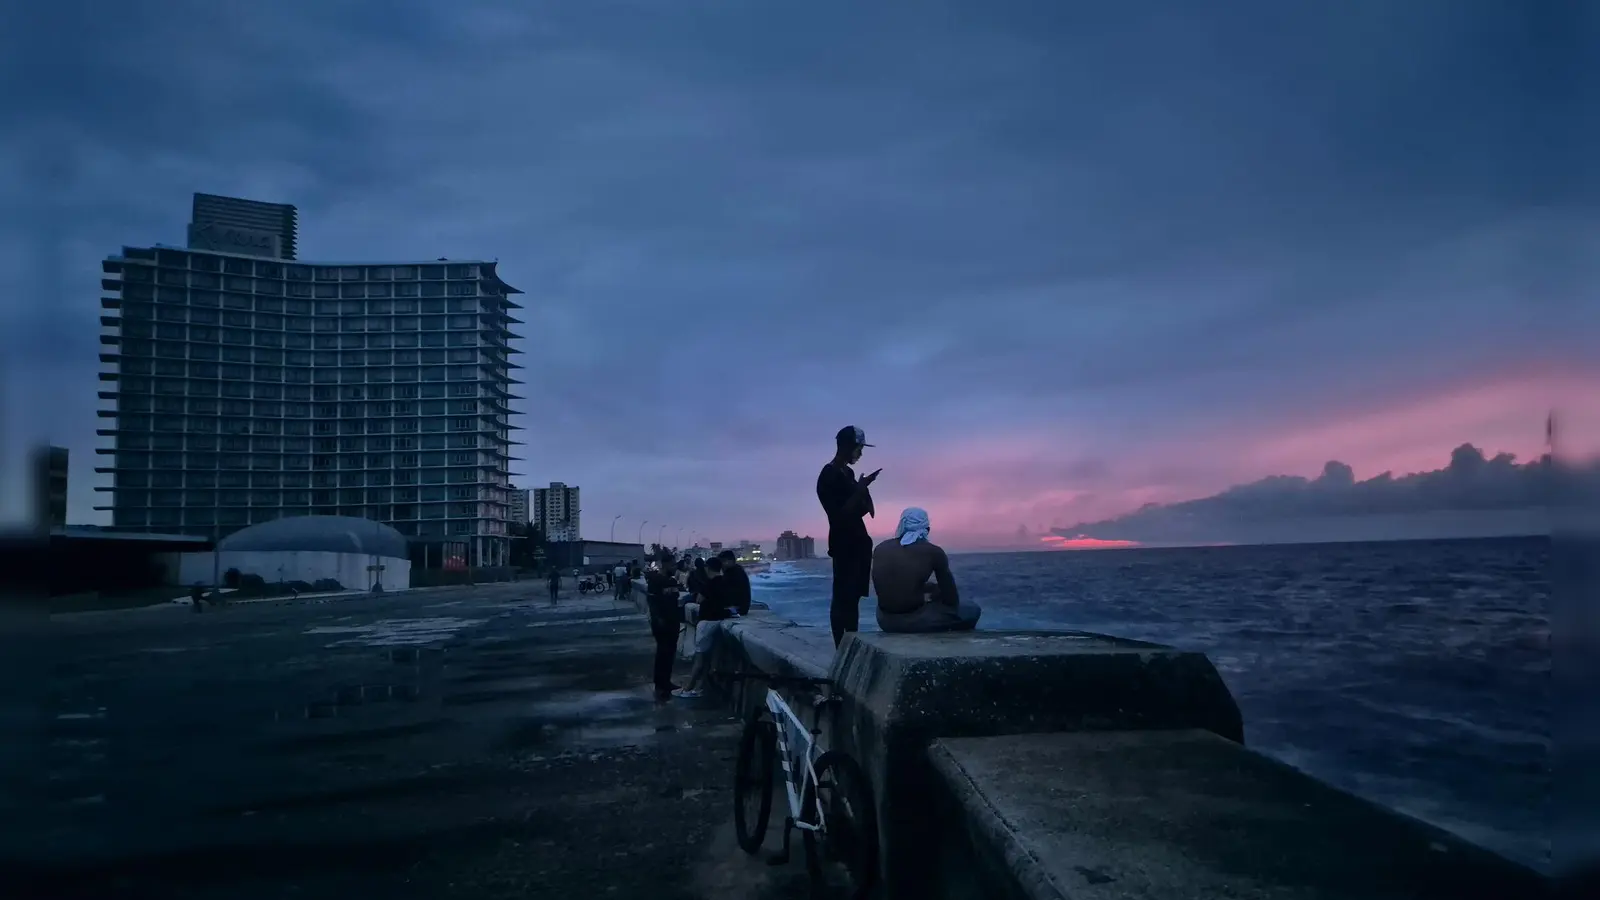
point(901, 573)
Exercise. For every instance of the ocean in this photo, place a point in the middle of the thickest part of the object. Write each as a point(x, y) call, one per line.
point(1413, 673)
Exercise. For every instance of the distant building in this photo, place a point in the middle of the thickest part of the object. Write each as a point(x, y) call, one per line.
point(248, 387)
point(50, 487)
point(793, 546)
point(519, 506)
point(557, 513)
point(749, 551)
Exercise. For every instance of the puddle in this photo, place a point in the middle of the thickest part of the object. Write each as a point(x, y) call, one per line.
point(396, 632)
point(596, 705)
point(604, 737)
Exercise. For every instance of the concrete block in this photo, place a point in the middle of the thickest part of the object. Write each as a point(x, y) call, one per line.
point(766, 643)
point(902, 691)
point(1181, 814)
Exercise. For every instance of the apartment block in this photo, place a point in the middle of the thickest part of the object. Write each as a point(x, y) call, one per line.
point(244, 386)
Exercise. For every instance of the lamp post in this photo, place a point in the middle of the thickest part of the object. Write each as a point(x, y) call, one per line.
point(679, 539)
point(659, 532)
point(614, 527)
point(641, 531)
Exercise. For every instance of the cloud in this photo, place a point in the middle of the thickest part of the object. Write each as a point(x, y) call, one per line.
point(1472, 495)
point(1046, 251)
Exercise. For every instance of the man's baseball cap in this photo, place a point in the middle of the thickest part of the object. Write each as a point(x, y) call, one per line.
point(851, 436)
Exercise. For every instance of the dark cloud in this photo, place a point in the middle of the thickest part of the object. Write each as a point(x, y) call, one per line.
point(741, 225)
point(1471, 495)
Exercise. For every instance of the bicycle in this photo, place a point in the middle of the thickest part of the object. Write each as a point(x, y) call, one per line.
point(829, 800)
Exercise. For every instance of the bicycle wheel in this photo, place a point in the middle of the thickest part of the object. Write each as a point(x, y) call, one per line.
point(843, 858)
point(752, 782)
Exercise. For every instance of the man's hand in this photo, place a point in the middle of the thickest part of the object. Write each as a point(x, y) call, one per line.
point(873, 477)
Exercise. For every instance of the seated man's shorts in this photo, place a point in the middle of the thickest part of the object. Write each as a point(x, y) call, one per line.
point(705, 634)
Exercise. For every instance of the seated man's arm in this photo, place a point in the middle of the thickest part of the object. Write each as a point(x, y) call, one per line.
point(947, 582)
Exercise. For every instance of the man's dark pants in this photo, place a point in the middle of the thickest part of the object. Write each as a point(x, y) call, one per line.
point(852, 574)
point(665, 632)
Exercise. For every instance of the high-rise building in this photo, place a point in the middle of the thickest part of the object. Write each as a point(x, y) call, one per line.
point(557, 513)
point(793, 546)
point(50, 487)
point(519, 506)
point(246, 387)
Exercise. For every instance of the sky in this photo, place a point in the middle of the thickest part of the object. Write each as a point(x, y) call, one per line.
point(1058, 260)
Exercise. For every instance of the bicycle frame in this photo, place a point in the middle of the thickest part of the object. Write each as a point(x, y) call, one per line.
point(797, 746)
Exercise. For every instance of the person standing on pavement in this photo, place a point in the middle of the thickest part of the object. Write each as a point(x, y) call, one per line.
point(661, 598)
point(555, 584)
point(847, 500)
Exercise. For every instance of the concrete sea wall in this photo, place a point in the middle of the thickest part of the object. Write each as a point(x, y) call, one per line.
point(1041, 765)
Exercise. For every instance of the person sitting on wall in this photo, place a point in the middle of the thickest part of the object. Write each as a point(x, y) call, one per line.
point(710, 606)
point(901, 569)
point(738, 582)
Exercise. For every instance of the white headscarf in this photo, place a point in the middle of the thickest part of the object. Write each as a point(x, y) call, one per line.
point(913, 526)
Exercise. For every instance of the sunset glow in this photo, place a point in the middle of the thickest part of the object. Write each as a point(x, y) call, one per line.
point(1084, 542)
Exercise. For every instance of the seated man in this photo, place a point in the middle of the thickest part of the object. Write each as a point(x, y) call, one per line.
point(711, 607)
point(737, 583)
point(901, 567)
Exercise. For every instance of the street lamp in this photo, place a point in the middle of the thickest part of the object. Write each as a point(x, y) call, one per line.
point(659, 532)
point(614, 527)
point(641, 531)
point(679, 539)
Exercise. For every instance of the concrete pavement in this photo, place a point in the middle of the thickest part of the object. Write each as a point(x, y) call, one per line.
point(446, 742)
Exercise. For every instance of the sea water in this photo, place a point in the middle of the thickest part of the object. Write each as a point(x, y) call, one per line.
point(1413, 673)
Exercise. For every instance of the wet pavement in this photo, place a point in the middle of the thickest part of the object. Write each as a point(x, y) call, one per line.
point(449, 742)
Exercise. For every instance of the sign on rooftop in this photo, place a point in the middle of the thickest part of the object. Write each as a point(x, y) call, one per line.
point(233, 239)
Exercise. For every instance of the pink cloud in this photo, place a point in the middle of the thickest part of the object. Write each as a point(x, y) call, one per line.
point(1416, 433)
point(1084, 542)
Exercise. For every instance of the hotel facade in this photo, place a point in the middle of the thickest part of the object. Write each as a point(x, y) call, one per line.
point(242, 385)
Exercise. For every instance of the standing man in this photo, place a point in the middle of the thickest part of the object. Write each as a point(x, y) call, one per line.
point(661, 599)
point(847, 500)
point(555, 584)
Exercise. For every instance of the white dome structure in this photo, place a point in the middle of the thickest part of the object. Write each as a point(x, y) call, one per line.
point(324, 534)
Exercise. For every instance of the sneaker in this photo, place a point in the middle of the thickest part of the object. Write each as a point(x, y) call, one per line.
point(686, 694)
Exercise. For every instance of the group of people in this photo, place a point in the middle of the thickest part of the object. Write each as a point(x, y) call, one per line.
point(617, 579)
point(909, 573)
point(693, 593)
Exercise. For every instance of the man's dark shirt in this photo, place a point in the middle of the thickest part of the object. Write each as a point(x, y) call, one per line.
point(737, 583)
point(714, 599)
point(662, 595)
point(847, 529)
point(696, 581)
